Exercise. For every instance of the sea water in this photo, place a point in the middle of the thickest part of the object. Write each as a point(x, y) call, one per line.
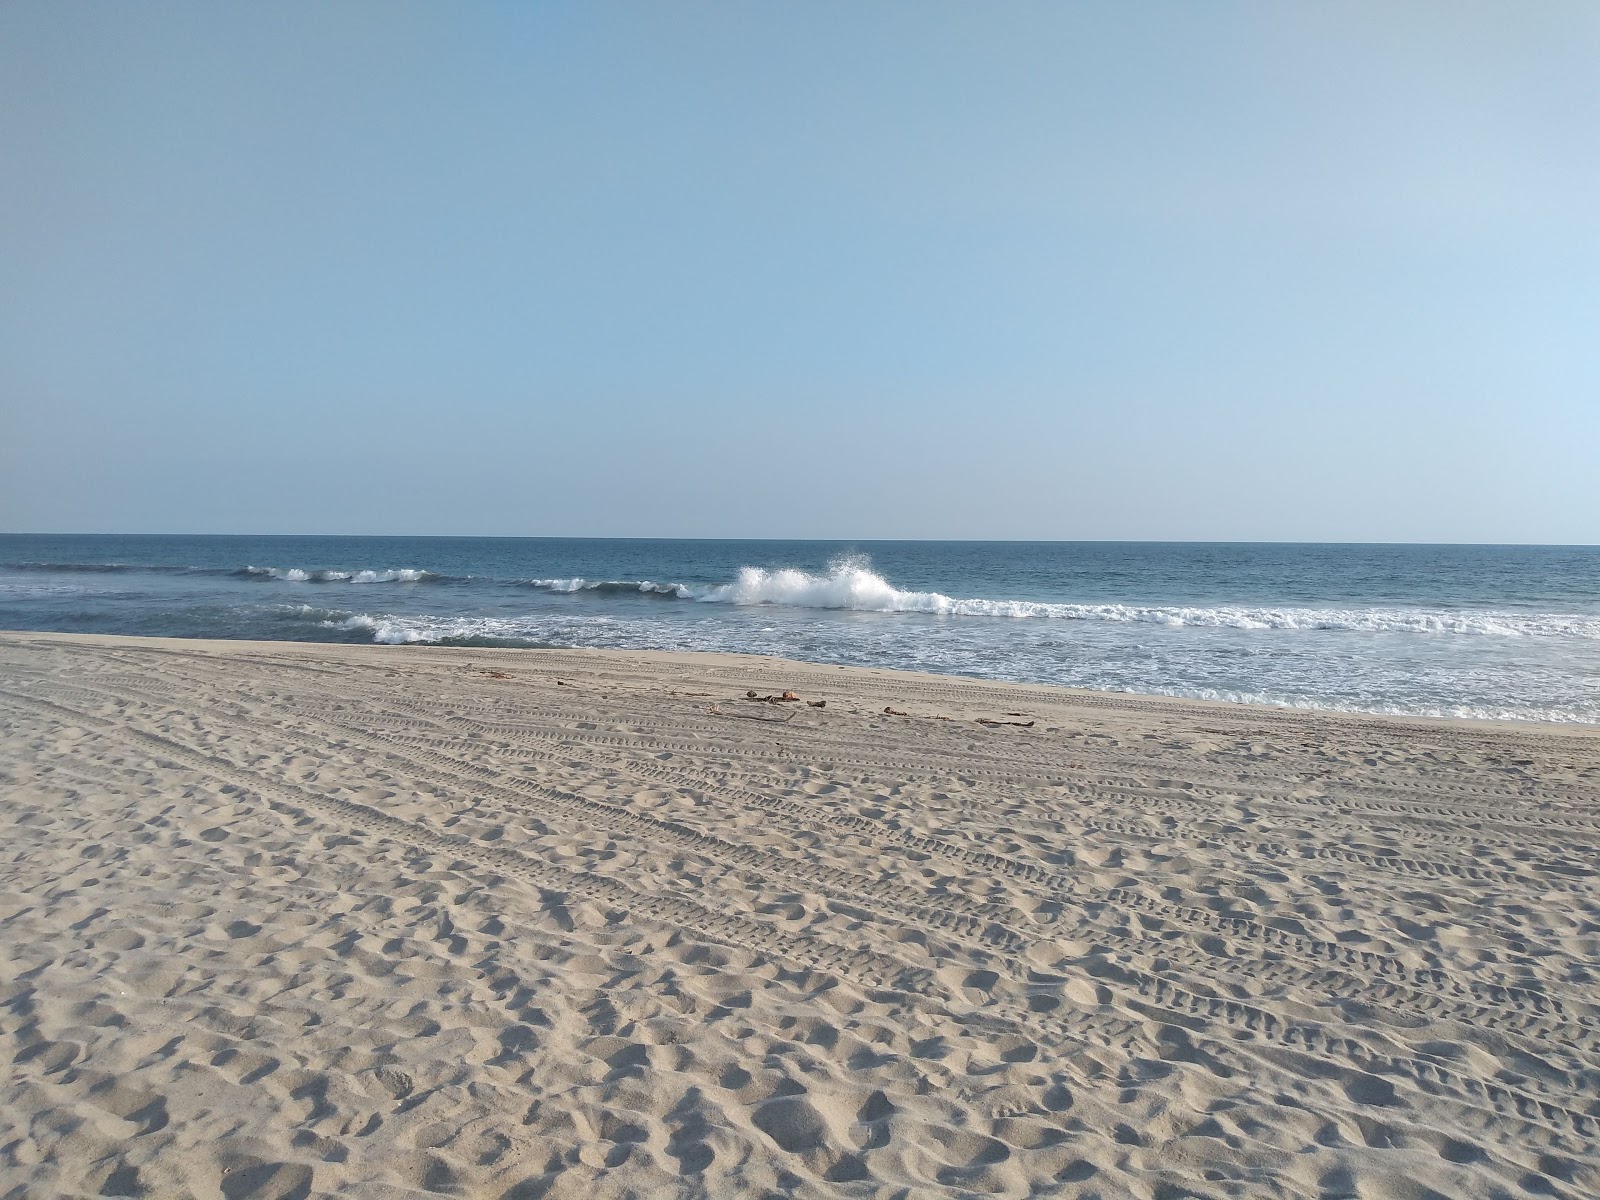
point(1509, 632)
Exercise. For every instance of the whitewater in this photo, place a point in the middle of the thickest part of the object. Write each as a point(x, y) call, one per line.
point(854, 586)
point(1509, 633)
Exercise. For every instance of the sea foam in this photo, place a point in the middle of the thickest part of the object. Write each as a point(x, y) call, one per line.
point(646, 586)
point(298, 575)
point(851, 584)
point(404, 630)
point(969, 658)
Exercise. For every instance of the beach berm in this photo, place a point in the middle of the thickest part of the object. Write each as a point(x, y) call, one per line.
point(290, 920)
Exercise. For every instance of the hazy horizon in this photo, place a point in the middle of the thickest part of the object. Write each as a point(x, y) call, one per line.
point(920, 271)
point(845, 539)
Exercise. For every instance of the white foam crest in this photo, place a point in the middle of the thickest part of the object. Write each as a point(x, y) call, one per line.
point(852, 584)
point(404, 575)
point(397, 630)
point(565, 586)
point(579, 584)
point(389, 631)
point(298, 575)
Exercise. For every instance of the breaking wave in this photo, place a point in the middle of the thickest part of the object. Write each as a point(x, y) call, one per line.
point(286, 574)
point(851, 584)
point(611, 587)
point(297, 575)
point(439, 631)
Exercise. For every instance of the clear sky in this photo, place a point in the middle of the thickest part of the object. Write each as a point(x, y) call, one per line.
point(1016, 270)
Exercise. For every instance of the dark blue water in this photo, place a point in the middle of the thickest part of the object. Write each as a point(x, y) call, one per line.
point(1502, 631)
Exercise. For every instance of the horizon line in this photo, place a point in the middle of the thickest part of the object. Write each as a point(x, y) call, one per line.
point(553, 537)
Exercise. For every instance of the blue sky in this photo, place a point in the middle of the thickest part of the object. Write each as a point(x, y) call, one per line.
point(1231, 271)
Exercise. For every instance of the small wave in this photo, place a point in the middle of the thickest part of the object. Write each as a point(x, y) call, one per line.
point(114, 568)
point(96, 568)
point(390, 631)
point(307, 612)
point(463, 631)
point(606, 587)
point(298, 575)
point(32, 591)
point(285, 574)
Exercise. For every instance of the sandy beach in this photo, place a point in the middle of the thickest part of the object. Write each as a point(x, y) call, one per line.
point(287, 920)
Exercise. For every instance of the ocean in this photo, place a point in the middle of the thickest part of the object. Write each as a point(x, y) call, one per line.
point(1506, 632)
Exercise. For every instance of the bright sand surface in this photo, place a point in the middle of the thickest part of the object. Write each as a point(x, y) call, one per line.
point(280, 920)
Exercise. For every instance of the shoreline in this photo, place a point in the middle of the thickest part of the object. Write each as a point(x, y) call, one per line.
point(1088, 696)
point(286, 919)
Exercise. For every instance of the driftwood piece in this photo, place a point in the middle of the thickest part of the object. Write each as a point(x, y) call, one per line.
point(786, 698)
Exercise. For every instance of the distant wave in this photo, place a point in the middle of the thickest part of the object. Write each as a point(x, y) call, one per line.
point(298, 575)
point(285, 574)
point(611, 587)
point(851, 584)
point(72, 567)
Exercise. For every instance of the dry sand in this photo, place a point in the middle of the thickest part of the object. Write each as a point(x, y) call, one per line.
point(283, 920)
